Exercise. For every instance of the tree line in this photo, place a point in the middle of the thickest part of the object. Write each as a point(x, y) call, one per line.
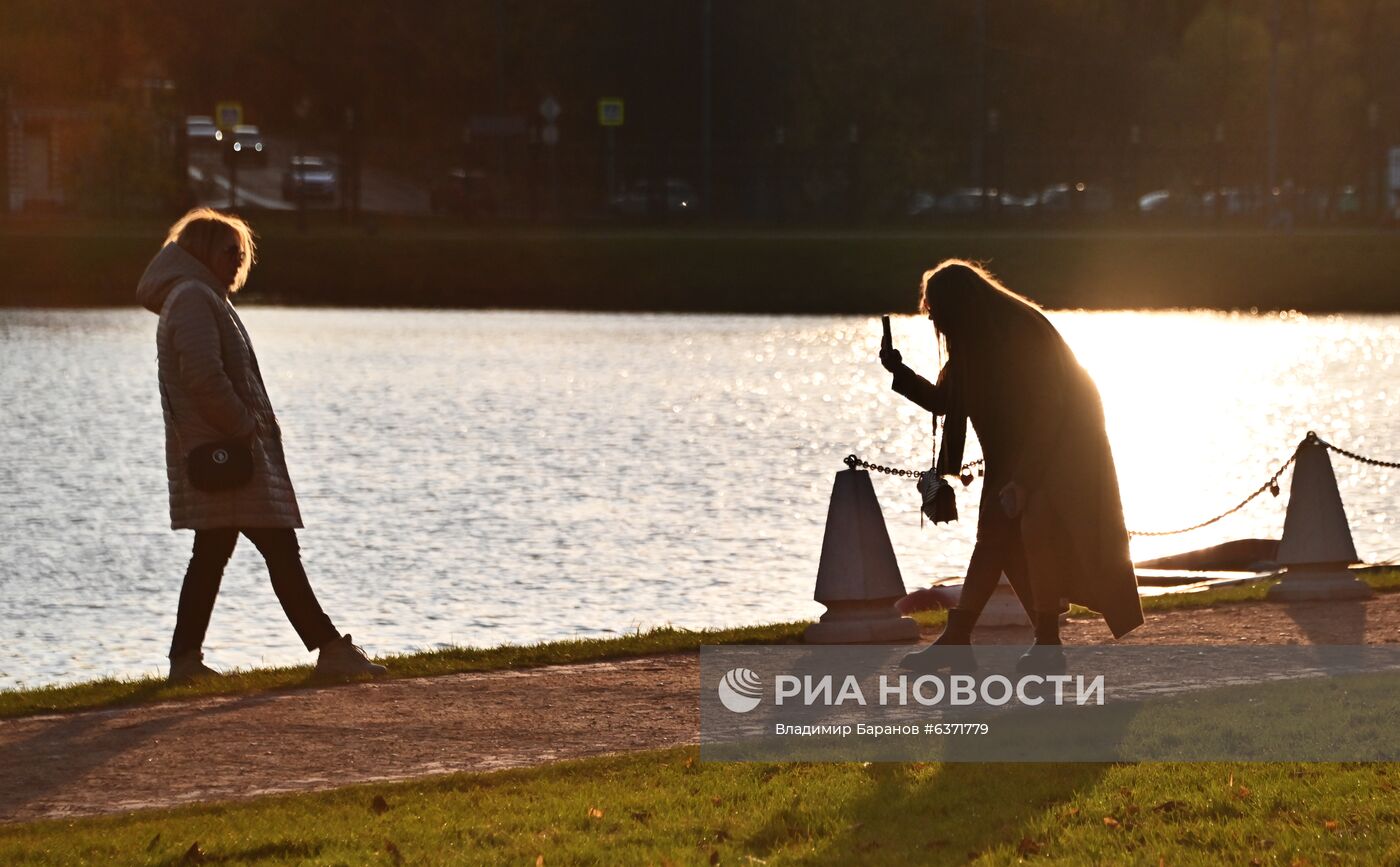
point(897, 94)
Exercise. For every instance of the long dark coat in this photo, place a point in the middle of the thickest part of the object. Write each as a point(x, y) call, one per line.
point(1040, 421)
point(211, 390)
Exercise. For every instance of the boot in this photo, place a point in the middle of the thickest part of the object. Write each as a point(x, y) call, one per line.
point(188, 668)
point(341, 659)
point(1047, 655)
point(951, 650)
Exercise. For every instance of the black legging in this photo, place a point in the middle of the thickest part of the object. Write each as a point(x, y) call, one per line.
point(212, 549)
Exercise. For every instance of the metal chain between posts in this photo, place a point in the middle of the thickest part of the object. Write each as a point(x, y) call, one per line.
point(1353, 455)
point(853, 462)
point(1271, 485)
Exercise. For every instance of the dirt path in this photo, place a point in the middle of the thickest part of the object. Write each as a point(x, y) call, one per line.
point(242, 746)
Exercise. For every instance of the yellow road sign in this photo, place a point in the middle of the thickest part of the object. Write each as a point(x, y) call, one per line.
point(228, 115)
point(610, 112)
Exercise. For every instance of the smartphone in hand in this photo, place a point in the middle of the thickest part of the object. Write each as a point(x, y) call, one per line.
point(886, 342)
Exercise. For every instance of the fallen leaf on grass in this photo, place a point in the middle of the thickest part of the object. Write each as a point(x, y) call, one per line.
point(1072, 811)
point(689, 762)
point(714, 856)
point(1300, 861)
point(1242, 793)
point(1330, 824)
point(379, 805)
point(393, 851)
point(1027, 846)
point(1168, 807)
point(539, 860)
point(1110, 822)
point(640, 816)
point(595, 813)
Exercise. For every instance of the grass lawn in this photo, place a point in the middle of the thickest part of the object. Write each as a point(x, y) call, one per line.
point(669, 807)
point(114, 692)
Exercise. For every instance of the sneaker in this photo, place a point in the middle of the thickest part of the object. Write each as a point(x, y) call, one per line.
point(188, 668)
point(341, 658)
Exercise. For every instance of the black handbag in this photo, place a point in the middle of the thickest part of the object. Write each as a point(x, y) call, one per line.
point(219, 466)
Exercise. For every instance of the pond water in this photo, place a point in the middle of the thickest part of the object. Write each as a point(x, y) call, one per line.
point(479, 478)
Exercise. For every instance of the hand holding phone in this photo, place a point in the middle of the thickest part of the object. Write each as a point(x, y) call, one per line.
point(889, 356)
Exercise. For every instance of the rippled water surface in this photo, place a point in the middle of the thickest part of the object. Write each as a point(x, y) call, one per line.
point(490, 477)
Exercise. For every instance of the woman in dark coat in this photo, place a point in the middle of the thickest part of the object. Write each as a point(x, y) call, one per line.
point(213, 392)
point(1050, 515)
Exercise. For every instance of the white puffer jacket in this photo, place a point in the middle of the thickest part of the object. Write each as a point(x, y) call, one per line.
point(211, 390)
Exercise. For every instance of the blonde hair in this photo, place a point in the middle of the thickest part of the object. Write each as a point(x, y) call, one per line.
point(202, 230)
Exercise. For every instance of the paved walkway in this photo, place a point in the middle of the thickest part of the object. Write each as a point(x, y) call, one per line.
point(242, 746)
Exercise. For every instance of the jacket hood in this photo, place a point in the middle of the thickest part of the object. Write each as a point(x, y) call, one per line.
point(170, 267)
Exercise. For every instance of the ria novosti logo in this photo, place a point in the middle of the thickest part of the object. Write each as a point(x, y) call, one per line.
point(740, 690)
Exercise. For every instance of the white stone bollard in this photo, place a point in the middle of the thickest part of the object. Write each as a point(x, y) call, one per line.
point(858, 578)
point(1316, 548)
point(1004, 608)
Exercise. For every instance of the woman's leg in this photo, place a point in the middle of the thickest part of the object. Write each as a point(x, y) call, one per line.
point(212, 548)
point(283, 556)
point(998, 550)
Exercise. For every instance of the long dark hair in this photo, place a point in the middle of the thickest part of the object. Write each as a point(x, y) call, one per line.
point(981, 321)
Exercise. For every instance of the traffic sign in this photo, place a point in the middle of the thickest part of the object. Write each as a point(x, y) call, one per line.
point(550, 109)
point(610, 112)
point(228, 115)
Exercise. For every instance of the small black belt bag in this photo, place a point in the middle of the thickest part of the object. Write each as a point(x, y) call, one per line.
point(221, 465)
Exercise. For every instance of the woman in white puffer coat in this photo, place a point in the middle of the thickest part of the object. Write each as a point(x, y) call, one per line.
point(213, 392)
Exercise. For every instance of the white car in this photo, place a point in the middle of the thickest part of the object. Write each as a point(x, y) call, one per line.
point(201, 132)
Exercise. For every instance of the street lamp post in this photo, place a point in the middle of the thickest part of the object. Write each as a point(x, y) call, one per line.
point(298, 169)
point(1271, 207)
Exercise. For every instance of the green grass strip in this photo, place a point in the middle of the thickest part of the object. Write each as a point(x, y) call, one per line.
point(117, 692)
point(668, 807)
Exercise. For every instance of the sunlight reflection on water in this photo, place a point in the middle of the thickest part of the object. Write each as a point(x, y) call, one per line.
point(490, 477)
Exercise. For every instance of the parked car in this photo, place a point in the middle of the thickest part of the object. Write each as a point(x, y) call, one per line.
point(246, 144)
point(675, 197)
point(920, 203)
point(310, 177)
point(968, 201)
point(1234, 202)
point(1076, 198)
point(200, 132)
point(466, 193)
